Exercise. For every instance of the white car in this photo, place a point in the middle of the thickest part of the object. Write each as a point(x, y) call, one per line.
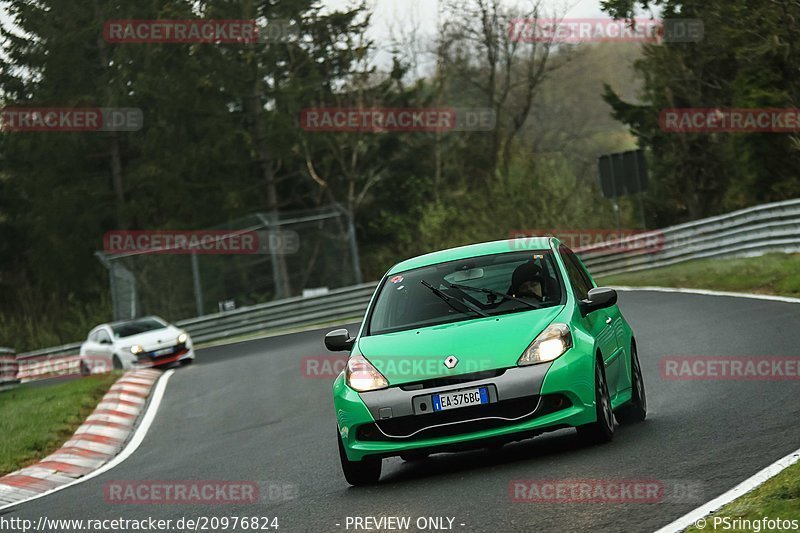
point(136, 343)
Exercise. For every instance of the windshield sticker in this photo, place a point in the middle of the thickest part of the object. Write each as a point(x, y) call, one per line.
point(396, 279)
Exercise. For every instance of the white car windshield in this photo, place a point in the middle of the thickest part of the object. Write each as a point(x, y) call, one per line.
point(134, 327)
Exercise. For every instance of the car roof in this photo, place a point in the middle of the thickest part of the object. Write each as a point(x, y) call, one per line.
point(129, 320)
point(473, 250)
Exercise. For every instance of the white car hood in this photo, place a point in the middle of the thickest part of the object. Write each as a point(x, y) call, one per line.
point(152, 340)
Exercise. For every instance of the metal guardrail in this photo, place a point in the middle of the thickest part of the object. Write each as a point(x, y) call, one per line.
point(335, 305)
point(753, 231)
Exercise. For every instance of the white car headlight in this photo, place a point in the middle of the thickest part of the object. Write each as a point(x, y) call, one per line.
point(183, 337)
point(548, 345)
point(362, 376)
point(136, 349)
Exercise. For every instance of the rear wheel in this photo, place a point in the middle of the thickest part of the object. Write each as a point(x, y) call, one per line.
point(636, 409)
point(603, 429)
point(364, 472)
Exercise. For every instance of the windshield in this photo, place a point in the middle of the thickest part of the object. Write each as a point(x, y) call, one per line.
point(134, 327)
point(465, 289)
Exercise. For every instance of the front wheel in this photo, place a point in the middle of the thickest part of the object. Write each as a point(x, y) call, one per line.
point(364, 472)
point(603, 429)
point(636, 410)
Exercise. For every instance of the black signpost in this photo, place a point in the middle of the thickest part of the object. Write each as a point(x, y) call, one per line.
point(623, 174)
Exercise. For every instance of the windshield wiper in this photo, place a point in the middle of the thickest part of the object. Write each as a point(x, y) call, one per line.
point(449, 300)
point(503, 295)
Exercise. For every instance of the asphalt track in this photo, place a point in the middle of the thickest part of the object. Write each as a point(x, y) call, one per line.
point(246, 412)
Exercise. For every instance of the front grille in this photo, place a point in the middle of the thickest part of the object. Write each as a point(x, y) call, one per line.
point(461, 421)
point(452, 380)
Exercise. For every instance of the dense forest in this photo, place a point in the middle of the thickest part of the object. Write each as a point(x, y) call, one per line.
point(221, 136)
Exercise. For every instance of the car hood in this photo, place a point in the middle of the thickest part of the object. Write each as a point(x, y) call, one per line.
point(479, 344)
point(151, 339)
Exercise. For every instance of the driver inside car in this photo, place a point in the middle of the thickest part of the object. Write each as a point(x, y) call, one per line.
point(527, 281)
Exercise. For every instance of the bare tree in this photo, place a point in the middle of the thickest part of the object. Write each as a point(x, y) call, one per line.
point(480, 49)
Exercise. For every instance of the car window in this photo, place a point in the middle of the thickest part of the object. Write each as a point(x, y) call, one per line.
point(103, 336)
point(404, 302)
point(134, 327)
point(581, 284)
point(93, 336)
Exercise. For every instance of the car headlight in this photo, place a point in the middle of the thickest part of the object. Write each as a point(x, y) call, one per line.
point(548, 345)
point(183, 337)
point(136, 349)
point(362, 376)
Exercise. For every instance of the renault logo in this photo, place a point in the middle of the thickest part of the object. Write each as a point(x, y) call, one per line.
point(451, 361)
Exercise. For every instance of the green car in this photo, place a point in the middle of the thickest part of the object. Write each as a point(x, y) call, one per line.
point(482, 345)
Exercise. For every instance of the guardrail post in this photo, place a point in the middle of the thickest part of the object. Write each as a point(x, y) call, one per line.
point(8, 368)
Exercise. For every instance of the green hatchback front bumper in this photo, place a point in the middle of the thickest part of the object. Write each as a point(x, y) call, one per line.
point(525, 401)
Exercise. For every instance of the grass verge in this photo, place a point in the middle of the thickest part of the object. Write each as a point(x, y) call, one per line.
point(778, 498)
point(777, 274)
point(36, 420)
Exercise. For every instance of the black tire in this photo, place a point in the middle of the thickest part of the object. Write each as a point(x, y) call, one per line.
point(186, 361)
point(602, 430)
point(85, 370)
point(116, 364)
point(364, 472)
point(636, 410)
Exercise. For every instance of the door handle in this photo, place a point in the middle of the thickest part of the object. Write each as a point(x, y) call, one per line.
point(608, 320)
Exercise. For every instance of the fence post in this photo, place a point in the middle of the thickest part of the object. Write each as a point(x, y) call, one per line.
point(198, 289)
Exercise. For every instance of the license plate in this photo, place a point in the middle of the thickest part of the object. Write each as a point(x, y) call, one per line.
point(462, 398)
point(165, 351)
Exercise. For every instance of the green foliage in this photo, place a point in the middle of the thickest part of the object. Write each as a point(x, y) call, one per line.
point(748, 58)
point(221, 139)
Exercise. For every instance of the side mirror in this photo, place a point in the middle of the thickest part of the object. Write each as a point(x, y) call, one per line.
point(104, 341)
point(339, 340)
point(599, 298)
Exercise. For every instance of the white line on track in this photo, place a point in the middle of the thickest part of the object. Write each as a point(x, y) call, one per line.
point(699, 515)
point(703, 292)
point(133, 444)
